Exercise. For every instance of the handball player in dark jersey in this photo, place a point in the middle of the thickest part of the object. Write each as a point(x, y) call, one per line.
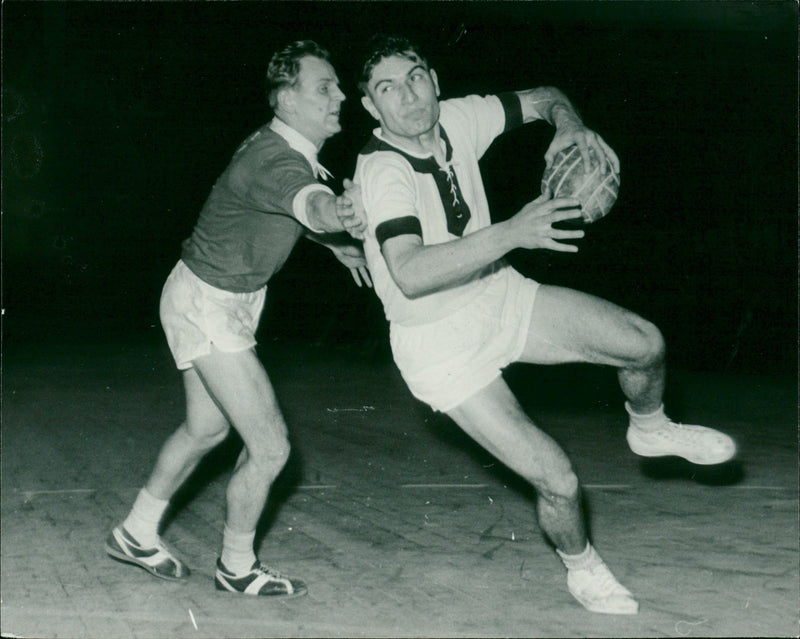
point(269, 196)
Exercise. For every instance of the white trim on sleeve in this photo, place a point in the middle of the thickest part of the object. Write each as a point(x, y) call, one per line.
point(300, 201)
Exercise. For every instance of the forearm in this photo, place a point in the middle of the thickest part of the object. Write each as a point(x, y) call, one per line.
point(421, 269)
point(328, 240)
point(321, 212)
point(549, 104)
point(317, 238)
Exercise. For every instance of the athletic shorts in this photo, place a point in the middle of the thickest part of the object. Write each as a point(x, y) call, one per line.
point(195, 315)
point(449, 360)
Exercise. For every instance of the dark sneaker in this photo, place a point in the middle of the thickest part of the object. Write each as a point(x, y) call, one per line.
point(158, 560)
point(260, 581)
point(697, 444)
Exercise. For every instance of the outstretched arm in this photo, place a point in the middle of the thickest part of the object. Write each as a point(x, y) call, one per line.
point(329, 213)
point(550, 104)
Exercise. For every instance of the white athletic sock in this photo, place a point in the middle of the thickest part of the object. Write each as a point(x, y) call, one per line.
point(238, 555)
point(582, 560)
point(144, 518)
point(650, 422)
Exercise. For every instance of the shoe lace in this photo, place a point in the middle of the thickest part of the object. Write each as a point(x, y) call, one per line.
point(270, 572)
point(687, 433)
point(604, 581)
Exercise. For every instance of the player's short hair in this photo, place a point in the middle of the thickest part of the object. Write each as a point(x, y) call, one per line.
point(382, 46)
point(284, 67)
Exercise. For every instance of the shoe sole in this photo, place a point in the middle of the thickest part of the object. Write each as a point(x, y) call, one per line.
point(644, 452)
point(631, 609)
point(121, 556)
point(627, 611)
point(224, 591)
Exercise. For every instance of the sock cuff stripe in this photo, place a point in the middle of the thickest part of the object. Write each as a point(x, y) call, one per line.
point(656, 413)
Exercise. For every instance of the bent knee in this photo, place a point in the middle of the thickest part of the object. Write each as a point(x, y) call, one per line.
point(207, 438)
point(648, 346)
point(561, 486)
point(270, 458)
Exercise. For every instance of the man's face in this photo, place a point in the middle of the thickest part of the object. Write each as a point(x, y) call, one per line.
point(402, 95)
point(316, 100)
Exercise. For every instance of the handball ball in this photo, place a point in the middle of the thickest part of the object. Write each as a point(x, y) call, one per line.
point(596, 190)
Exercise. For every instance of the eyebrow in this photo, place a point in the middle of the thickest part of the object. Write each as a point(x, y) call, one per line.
point(327, 80)
point(410, 71)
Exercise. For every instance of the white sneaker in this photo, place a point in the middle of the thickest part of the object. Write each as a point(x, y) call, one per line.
point(697, 444)
point(599, 591)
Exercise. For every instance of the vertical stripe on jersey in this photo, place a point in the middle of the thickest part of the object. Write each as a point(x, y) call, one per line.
point(455, 208)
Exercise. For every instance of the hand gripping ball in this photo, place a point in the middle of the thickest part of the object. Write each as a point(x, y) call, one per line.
point(596, 190)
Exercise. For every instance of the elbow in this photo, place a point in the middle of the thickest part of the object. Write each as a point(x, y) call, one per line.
point(410, 286)
point(414, 292)
point(409, 270)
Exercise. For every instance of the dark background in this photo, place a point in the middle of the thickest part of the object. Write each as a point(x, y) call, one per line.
point(118, 117)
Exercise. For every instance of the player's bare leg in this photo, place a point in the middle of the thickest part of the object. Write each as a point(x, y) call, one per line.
point(494, 418)
point(205, 427)
point(241, 387)
point(570, 326)
point(136, 540)
point(222, 389)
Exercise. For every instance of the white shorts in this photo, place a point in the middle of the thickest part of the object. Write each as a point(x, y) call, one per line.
point(449, 360)
point(195, 315)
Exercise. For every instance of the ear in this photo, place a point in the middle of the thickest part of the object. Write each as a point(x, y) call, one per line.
point(286, 100)
point(369, 105)
point(435, 79)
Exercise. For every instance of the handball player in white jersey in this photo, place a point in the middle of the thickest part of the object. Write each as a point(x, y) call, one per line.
point(459, 313)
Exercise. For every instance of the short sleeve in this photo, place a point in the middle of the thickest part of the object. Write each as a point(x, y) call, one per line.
point(300, 203)
point(481, 119)
point(274, 180)
point(388, 188)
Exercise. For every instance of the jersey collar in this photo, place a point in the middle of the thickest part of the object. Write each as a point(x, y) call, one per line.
point(301, 144)
point(425, 158)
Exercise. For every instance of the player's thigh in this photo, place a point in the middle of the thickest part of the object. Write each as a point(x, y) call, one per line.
point(204, 418)
point(572, 326)
point(494, 418)
point(241, 388)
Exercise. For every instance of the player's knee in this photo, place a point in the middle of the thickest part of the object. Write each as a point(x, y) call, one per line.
point(281, 454)
point(649, 347)
point(207, 438)
point(560, 486)
point(218, 437)
point(270, 458)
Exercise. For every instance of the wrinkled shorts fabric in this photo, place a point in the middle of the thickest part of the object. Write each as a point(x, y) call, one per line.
point(195, 315)
point(449, 360)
